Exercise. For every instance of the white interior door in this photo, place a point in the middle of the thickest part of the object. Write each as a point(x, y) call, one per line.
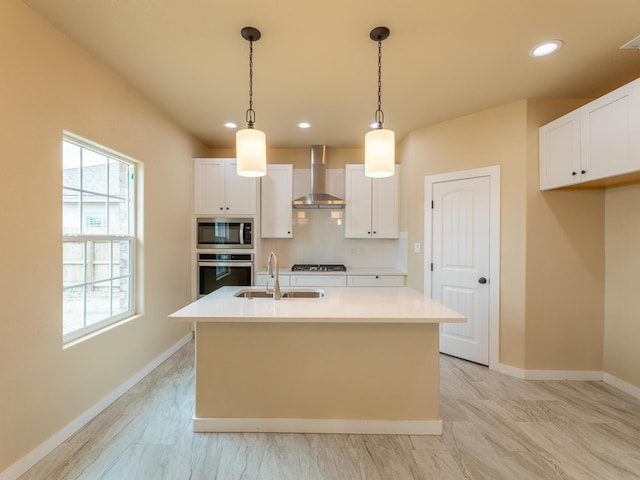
point(460, 256)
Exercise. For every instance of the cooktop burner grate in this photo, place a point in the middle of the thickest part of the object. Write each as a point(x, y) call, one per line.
point(317, 267)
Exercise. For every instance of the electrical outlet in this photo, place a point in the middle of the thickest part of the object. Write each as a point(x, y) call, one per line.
point(416, 247)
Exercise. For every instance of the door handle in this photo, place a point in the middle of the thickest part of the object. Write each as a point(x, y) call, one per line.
point(482, 280)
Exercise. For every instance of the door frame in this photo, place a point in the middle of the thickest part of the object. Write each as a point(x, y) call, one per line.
point(493, 172)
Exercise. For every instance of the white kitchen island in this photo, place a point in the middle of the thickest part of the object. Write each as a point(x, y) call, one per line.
point(358, 360)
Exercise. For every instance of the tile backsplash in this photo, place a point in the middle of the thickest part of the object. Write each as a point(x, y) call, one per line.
point(318, 235)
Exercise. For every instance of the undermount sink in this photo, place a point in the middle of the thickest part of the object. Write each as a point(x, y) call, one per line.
point(303, 294)
point(249, 293)
point(254, 294)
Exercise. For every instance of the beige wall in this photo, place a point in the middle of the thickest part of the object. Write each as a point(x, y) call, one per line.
point(317, 371)
point(622, 309)
point(301, 157)
point(565, 264)
point(552, 267)
point(552, 250)
point(49, 84)
point(493, 137)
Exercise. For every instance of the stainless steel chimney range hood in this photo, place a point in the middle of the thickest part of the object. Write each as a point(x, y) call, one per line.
point(318, 198)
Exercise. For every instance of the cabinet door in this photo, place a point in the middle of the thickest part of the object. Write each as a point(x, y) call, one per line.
point(208, 186)
point(384, 211)
point(318, 280)
point(560, 152)
point(240, 192)
point(357, 211)
point(375, 281)
point(264, 280)
point(611, 133)
point(275, 205)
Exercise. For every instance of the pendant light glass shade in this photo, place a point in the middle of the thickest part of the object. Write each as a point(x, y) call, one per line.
point(379, 143)
point(379, 153)
point(251, 153)
point(251, 144)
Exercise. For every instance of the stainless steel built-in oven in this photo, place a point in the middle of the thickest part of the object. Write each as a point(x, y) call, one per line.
point(225, 233)
point(217, 270)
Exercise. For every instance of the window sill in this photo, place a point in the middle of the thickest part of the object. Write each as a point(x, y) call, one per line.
point(83, 337)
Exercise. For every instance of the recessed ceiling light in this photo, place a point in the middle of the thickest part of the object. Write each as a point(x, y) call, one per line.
point(304, 125)
point(545, 48)
point(230, 125)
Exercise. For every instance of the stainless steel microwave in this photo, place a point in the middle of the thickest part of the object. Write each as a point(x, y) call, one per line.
point(225, 233)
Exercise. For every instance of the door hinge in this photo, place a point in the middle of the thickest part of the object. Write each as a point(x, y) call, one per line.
point(431, 203)
point(432, 267)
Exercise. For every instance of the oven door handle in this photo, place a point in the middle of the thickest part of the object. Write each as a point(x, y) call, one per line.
point(225, 264)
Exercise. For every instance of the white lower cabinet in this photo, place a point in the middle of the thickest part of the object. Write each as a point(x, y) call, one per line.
point(375, 281)
point(262, 280)
point(318, 280)
point(322, 280)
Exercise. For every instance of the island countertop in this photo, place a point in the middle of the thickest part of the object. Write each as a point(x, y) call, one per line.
point(395, 305)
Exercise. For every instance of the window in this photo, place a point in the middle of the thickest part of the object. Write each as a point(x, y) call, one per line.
point(98, 244)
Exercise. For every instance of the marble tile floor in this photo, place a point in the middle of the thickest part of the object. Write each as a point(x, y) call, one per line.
point(495, 427)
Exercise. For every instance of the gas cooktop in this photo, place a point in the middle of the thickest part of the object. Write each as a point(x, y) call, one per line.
point(318, 267)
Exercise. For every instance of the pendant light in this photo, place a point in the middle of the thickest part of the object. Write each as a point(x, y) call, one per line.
point(251, 148)
point(379, 143)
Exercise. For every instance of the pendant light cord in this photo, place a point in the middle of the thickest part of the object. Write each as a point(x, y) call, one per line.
point(379, 117)
point(251, 114)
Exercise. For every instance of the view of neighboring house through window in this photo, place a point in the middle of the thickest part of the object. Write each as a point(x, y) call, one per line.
point(98, 225)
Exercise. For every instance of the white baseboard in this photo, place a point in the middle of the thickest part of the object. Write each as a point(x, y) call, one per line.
point(584, 375)
point(511, 371)
point(305, 425)
point(622, 385)
point(42, 450)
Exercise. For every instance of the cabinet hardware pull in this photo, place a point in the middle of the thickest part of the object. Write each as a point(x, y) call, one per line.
point(574, 173)
point(583, 172)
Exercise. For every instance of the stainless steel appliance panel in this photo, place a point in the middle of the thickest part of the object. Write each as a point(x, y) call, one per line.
point(225, 233)
point(217, 270)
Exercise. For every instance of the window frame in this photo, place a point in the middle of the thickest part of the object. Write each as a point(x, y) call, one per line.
point(85, 239)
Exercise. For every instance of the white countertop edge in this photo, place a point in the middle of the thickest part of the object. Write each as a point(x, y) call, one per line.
point(322, 320)
point(382, 305)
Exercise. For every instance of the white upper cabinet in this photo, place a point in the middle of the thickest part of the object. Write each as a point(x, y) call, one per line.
point(275, 205)
point(611, 133)
point(596, 141)
point(219, 190)
point(371, 209)
point(560, 152)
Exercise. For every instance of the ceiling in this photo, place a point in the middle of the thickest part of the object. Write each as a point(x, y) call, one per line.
point(315, 61)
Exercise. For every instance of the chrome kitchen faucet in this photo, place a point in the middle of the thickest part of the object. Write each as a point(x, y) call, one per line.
point(272, 263)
